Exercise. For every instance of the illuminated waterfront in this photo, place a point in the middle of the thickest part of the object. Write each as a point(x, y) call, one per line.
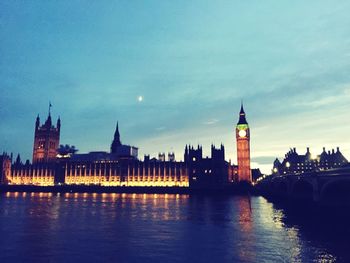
point(161, 228)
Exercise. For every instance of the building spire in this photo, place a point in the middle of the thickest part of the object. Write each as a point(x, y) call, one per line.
point(116, 141)
point(50, 105)
point(242, 108)
point(242, 119)
point(116, 133)
point(59, 123)
point(37, 122)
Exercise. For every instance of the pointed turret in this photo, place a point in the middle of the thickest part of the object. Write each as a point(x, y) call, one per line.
point(242, 119)
point(116, 133)
point(116, 141)
point(37, 122)
point(18, 160)
point(48, 122)
point(58, 123)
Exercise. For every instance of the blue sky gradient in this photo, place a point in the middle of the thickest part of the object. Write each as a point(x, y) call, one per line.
point(192, 61)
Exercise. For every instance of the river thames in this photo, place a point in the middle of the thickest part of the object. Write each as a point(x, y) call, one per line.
point(46, 227)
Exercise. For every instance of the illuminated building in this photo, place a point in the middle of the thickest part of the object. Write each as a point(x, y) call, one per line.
point(5, 166)
point(107, 169)
point(46, 140)
point(127, 173)
point(295, 163)
point(232, 173)
point(243, 148)
point(118, 172)
point(41, 173)
point(121, 166)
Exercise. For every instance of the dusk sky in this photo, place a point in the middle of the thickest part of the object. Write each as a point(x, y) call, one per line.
point(191, 61)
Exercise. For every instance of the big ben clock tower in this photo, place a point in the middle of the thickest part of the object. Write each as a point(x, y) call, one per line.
point(243, 148)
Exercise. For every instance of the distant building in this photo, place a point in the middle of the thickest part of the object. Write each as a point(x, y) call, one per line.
point(295, 163)
point(256, 173)
point(46, 140)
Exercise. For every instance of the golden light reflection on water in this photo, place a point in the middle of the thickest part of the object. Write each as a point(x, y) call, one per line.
point(107, 196)
point(258, 227)
point(31, 194)
point(245, 214)
point(152, 206)
point(246, 227)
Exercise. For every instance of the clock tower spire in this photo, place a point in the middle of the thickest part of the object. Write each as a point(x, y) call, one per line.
point(243, 147)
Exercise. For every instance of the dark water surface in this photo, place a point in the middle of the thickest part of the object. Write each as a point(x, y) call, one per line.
point(44, 227)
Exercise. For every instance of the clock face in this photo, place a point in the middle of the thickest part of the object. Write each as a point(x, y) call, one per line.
point(242, 133)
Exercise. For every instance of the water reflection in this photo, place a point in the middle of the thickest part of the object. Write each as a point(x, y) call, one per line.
point(245, 214)
point(246, 250)
point(165, 227)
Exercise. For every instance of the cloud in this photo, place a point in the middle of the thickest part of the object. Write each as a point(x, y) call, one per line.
point(211, 122)
point(264, 159)
point(193, 62)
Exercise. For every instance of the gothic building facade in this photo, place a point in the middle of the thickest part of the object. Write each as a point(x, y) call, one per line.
point(295, 163)
point(46, 140)
point(122, 167)
point(243, 148)
point(207, 172)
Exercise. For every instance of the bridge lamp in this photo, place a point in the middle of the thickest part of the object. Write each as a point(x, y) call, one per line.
point(287, 164)
point(275, 170)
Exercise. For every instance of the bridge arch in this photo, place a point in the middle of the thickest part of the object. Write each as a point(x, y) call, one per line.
point(302, 189)
point(336, 192)
point(280, 188)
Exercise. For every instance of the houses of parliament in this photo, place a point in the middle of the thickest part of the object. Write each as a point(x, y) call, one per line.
point(121, 166)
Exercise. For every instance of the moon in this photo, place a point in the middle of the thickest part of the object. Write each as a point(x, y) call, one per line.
point(140, 98)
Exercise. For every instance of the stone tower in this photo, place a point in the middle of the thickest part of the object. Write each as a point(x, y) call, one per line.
point(46, 140)
point(243, 148)
point(5, 168)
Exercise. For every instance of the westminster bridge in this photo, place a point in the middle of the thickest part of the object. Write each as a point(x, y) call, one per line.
point(324, 187)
